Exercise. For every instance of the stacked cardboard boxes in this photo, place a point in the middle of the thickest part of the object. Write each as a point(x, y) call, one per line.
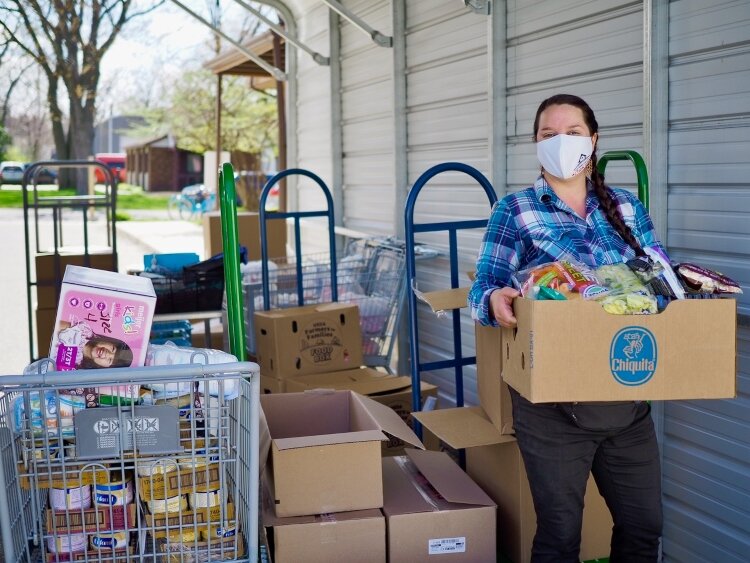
point(320, 347)
point(326, 483)
point(492, 456)
point(50, 268)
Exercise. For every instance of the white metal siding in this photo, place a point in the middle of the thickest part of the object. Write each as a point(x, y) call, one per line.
point(447, 120)
point(367, 121)
point(706, 444)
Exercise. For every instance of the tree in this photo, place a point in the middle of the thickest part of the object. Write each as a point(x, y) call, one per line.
point(67, 40)
point(249, 118)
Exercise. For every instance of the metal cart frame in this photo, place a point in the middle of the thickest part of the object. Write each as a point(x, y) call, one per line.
point(35, 457)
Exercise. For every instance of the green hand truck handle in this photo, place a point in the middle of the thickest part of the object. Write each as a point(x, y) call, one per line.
point(640, 170)
point(232, 274)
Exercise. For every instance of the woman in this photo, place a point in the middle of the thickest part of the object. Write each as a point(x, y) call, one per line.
point(570, 212)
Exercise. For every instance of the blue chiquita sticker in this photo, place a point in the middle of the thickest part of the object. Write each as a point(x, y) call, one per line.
point(632, 356)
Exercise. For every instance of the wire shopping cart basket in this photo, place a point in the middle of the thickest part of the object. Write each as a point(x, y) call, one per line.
point(370, 274)
point(168, 473)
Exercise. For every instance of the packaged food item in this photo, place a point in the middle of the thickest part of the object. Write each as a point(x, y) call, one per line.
point(71, 498)
point(698, 278)
point(173, 504)
point(114, 493)
point(156, 467)
point(110, 540)
point(554, 275)
point(206, 500)
point(628, 295)
point(655, 271)
point(73, 543)
point(51, 412)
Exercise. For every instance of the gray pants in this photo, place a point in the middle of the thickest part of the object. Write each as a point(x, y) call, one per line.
point(560, 445)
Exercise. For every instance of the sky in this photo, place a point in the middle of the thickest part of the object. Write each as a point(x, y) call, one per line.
point(158, 45)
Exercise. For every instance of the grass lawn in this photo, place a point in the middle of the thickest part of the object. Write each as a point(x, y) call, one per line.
point(128, 197)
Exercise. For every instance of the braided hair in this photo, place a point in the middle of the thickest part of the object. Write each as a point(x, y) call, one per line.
point(603, 192)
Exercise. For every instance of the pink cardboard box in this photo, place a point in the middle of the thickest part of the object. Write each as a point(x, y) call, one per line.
point(103, 320)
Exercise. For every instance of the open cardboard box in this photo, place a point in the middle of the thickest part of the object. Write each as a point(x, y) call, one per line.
point(494, 396)
point(393, 391)
point(325, 450)
point(433, 508)
point(688, 351)
point(494, 462)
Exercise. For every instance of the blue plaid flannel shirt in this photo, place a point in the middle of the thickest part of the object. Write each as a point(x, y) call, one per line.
point(534, 226)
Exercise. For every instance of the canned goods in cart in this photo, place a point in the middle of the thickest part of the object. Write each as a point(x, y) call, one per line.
point(73, 543)
point(219, 531)
point(156, 467)
point(173, 504)
point(110, 540)
point(114, 493)
point(208, 499)
point(70, 498)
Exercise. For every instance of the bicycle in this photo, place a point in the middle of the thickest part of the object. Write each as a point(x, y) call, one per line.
point(191, 201)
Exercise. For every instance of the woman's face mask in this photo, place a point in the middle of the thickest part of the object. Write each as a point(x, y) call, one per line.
point(565, 156)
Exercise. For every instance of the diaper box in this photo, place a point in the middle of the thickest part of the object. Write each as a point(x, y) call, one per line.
point(103, 321)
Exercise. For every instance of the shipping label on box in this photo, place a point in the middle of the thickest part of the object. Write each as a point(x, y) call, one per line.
point(575, 351)
point(433, 508)
point(309, 339)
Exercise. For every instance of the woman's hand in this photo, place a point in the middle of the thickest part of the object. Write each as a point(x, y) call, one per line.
point(501, 306)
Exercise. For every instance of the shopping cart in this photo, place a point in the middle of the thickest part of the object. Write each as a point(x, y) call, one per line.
point(168, 474)
point(370, 274)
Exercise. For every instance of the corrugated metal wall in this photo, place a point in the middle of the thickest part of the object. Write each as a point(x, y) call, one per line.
point(706, 444)
point(367, 121)
point(447, 120)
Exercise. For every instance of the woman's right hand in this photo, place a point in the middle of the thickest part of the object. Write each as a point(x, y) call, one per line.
point(501, 305)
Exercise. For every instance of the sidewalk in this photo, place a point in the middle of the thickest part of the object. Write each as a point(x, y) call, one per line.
point(160, 237)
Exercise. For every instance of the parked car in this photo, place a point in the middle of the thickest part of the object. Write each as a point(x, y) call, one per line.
point(115, 162)
point(11, 172)
point(43, 175)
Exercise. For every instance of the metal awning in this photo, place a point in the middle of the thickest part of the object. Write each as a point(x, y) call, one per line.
point(234, 62)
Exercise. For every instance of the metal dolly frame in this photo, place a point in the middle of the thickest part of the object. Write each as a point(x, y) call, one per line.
point(451, 227)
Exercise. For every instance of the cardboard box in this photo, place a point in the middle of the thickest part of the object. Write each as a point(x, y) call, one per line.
point(50, 269)
point(433, 508)
point(494, 396)
point(45, 323)
point(183, 481)
point(227, 549)
point(393, 391)
point(248, 234)
point(341, 536)
point(95, 303)
point(43, 474)
point(325, 450)
point(494, 461)
point(272, 385)
point(102, 555)
point(94, 519)
point(604, 357)
point(198, 519)
point(309, 339)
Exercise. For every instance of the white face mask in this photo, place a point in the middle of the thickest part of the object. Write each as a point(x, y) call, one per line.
point(565, 156)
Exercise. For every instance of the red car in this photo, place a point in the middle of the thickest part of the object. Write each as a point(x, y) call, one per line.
point(115, 162)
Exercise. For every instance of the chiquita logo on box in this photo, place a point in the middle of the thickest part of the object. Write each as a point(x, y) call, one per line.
point(632, 356)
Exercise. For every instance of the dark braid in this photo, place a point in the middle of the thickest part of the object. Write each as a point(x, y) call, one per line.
point(603, 192)
point(611, 209)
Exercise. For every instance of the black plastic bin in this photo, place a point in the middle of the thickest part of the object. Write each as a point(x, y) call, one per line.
point(200, 287)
